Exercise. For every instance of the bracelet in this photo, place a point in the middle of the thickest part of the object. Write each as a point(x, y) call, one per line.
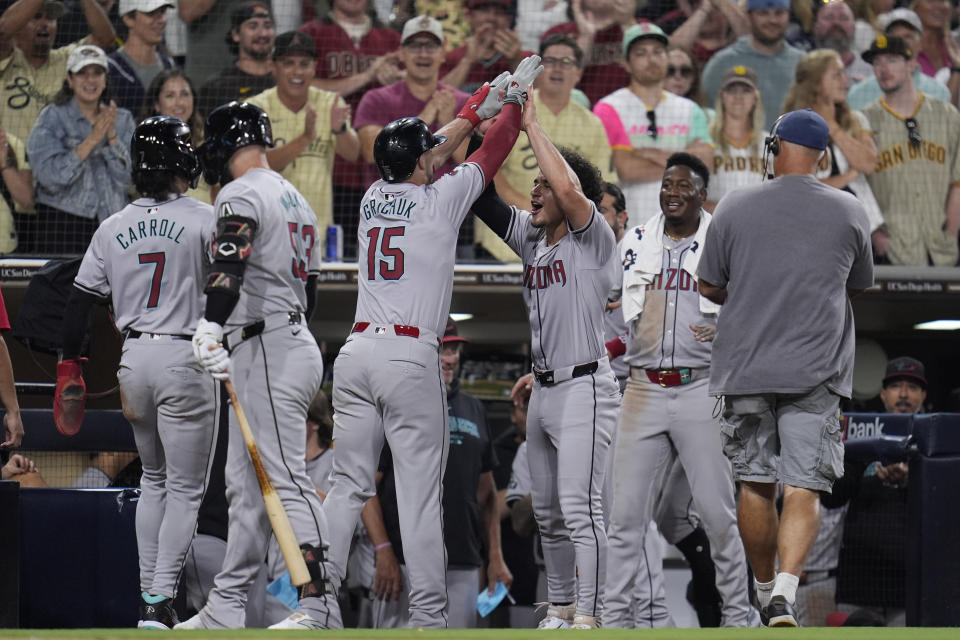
point(342, 129)
point(382, 545)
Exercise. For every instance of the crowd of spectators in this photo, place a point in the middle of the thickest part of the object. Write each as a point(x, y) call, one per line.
point(705, 76)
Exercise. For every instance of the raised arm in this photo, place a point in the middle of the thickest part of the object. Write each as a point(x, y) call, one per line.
point(577, 208)
point(102, 33)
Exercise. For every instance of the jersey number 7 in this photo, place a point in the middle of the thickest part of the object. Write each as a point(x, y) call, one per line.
point(391, 266)
point(159, 260)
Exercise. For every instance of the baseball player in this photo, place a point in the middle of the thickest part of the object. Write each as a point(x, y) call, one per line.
point(149, 260)
point(259, 295)
point(388, 384)
point(568, 252)
point(666, 411)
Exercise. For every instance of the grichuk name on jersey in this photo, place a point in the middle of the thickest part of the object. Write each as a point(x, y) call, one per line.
point(543, 276)
point(391, 208)
point(154, 228)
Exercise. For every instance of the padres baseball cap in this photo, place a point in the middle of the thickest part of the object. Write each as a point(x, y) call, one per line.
point(906, 16)
point(754, 5)
point(887, 44)
point(739, 75)
point(804, 127)
point(84, 55)
point(643, 30)
point(450, 333)
point(422, 24)
point(293, 42)
point(143, 6)
point(905, 368)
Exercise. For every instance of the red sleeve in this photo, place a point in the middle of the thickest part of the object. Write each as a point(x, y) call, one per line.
point(4, 321)
point(498, 142)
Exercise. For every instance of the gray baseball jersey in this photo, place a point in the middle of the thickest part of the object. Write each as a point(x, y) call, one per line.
point(565, 288)
point(388, 385)
point(570, 423)
point(276, 370)
point(285, 249)
point(150, 259)
point(661, 423)
point(399, 222)
point(614, 326)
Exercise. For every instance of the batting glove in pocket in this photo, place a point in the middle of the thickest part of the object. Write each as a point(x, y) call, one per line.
point(208, 349)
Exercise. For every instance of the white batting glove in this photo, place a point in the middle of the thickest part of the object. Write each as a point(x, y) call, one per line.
point(208, 349)
point(485, 101)
point(527, 71)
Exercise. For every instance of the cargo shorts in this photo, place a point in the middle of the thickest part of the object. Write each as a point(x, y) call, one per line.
point(792, 438)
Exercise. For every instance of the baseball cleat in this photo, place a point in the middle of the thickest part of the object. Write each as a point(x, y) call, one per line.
point(156, 612)
point(558, 616)
point(585, 622)
point(298, 620)
point(779, 613)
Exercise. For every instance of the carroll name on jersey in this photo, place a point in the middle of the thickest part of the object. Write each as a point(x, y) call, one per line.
point(155, 228)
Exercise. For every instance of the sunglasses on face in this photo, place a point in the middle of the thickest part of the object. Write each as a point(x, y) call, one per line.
point(684, 72)
point(913, 132)
point(564, 62)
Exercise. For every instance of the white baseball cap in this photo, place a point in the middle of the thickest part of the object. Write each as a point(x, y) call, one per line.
point(422, 24)
point(903, 15)
point(145, 6)
point(85, 55)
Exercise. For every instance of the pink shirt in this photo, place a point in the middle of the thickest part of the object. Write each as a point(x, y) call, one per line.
point(384, 105)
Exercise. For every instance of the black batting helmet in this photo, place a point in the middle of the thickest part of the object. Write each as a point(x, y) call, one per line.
point(399, 145)
point(230, 127)
point(162, 143)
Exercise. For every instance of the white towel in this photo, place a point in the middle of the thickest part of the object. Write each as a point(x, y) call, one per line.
point(642, 250)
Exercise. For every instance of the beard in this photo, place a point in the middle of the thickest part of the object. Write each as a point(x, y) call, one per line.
point(833, 39)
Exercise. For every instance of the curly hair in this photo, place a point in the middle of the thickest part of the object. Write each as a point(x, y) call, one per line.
point(591, 182)
point(805, 90)
point(692, 162)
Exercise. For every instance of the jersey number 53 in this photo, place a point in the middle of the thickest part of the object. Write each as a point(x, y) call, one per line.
point(301, 244)
point(383, 258)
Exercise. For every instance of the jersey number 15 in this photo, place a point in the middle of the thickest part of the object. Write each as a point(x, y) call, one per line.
point(382, 257)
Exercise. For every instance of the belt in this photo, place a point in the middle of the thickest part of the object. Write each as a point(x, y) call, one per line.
point(399, 329)
point(133, 334)
point(406, 330)
point(669, 377)
point(556, 376)
point(271, 322)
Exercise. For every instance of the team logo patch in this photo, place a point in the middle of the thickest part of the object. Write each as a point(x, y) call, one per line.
point(629, 259)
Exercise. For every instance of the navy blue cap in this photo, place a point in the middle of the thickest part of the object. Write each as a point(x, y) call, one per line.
point(804, 127)
point(753, 5)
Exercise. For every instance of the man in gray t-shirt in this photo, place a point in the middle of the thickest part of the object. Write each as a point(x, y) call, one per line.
point(783, 258)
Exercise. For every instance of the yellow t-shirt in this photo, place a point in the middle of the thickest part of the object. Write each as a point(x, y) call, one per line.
point(574, 127)
point(312, 171)
point(25, 90)
point(8, 231)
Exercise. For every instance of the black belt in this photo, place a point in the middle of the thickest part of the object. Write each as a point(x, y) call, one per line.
point(254, 329)
point(549, 377)
point(133, 333)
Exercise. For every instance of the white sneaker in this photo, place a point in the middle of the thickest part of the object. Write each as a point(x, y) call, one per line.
point(585, 622)
point(558, 617)
point(298, 620)
point(192, 623)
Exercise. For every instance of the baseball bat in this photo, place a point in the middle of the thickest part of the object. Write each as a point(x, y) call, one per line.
point(299, 575)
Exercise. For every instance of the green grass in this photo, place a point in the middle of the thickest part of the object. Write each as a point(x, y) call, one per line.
point(844, 633)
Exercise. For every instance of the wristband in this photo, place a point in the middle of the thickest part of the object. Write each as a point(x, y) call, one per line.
point(382, 545)
point(342, 129)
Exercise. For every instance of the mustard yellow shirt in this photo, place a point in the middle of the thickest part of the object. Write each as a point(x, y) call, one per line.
point(25, 89)
point(312, 171)
point(8, 231)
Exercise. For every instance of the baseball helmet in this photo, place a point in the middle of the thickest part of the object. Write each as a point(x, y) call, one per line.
point(399, 145)
point(162, 143)
point(231, 127)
